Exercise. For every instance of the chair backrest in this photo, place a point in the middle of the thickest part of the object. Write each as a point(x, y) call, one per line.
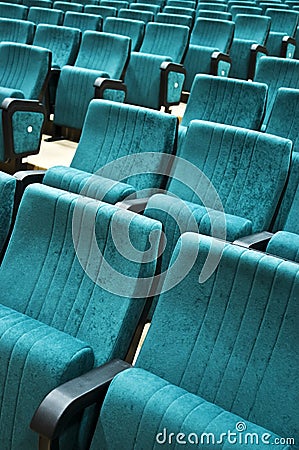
point(234, 102)
point(62, 41)
point(145, 16)
point(68, 6)
point(287, 216)
point(134, 29)
point(7, 195)
point(15, 30)
point(104, 51)
point(45, 16)
point(283, 21)
point(176, 19)
point(276, 73)
point(213, 33)
point(208, 14)
point(235, 10)
point(118, 4)
point(225, 153)
point(222, 7)
point(232, 340)
point(113, 130)
point(253, 28)
point(182, 3)
point(58, 288)
point(103, 11)
point(284, 117)
point(180, 11)
point(24, 67)
point(12, 11)
point(83, 21)
point(165, 39)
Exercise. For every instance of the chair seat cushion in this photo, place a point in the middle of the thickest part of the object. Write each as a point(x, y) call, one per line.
point(144, 411)
point(35, 358)
point(285, 245)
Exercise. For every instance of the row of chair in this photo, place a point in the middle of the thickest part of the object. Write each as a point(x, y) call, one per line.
point(56, 316)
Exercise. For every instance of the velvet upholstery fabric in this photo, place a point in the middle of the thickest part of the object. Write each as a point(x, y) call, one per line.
point(166, 39)
point(139, 6)
point(222, 153)
point(113, 130)
point(240, 54)
point(217, 353)
point(100, 55)
point(285, 245)
point(83, 21)
point(55, 321)
point(284, 116)
point(62, 41)
point(283, 21)
point(45, 16)
point(176, 19)
point(94, 186)
point(287, 217)
point(145, 16)
point(118, 4)
point(179, 11)
point(14, 30)
point(276, 73)
point(24, 67)
point(68, 6)
point(143, 78)
point(274, 44)
point(236, 10)
point(208, 35)
point(11, 11)
point(7, 195)
point(214, 14)
point(222, 100)
point(133, 29)
point(251, 27)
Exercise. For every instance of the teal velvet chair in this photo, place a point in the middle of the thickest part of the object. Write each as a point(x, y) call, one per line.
point(83, 21)
point(14, 30)
point(206, 13)
point(166, 39)
point(113, 131)
point(23, 74)
point(132, 14)
point(283, 26)
point(153, 81)
point(248, 45)
point(8, 186)
point(57, 318)
point(223, 100)
point(181, 3)
point(68, 6)
point(38, 3)
point(118, 4)
point(63, 42)
point(12, 11)
point(134, 29)
point(209, 37)
point(100, 55)
point(235, 10)
point(103, 11)
point(284, 116)
point(276, 72)
point(145, 7)
point(212, 6)
point(45, 16)
point(176, 19)
point(179, 11)
point(225, 193)
point(284, 243)
point(218, 367)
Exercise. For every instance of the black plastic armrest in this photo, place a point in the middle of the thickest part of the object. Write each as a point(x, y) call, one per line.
point(9, 106)
point(255, 49)
point(257, 241)
point(102, 84)
point(30, 176)
point(286, 41)
point(63, 403)
point(216, 57)
point(136, 205)
point(167, 67)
